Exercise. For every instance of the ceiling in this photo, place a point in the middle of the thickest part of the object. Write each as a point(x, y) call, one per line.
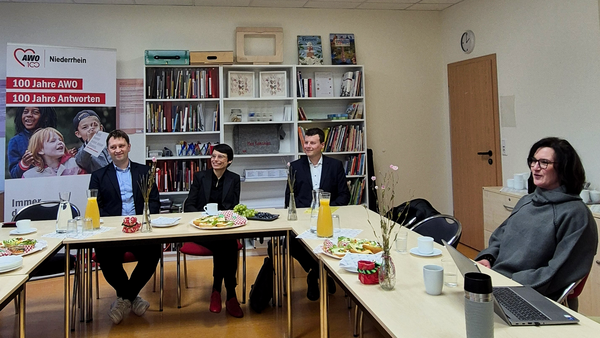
point(409, 5)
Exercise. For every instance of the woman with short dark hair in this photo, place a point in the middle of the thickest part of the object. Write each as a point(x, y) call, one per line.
point(550, 238)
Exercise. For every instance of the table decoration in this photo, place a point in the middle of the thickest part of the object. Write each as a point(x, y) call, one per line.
point(388, 227)
point(130, 224)
point(291, 180)
point(146, 183)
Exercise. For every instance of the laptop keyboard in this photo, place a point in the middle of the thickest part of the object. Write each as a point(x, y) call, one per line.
point(522, 309)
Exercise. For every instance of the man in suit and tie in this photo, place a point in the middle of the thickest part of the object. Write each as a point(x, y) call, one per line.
point(315, 171)
point(119, 195)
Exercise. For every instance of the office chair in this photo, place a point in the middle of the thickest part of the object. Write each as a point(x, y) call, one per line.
point(440, 227)
point(569, 297)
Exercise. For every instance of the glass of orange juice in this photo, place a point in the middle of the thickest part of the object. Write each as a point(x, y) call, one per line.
point(91, 209)
point(324, 221)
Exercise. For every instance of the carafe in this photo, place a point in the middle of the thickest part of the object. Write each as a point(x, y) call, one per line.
point(91, 209)
point(324, 221)
point(314, 207)
point(64, 213)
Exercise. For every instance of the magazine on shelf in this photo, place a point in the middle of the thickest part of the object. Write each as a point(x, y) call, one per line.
point(342, 49)
point(310, 50)
point(324, 84)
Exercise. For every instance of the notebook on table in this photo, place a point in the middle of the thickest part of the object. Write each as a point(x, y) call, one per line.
point(517, 305)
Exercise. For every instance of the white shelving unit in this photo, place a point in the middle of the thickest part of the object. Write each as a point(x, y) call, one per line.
point(267, 111)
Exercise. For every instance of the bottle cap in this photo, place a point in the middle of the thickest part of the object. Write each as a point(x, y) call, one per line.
point(476, 282)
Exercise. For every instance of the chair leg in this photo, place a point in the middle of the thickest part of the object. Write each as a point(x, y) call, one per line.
point(185, 271)
point(244, 273)
point(178, 277)
point(97, 281)
point(75, 298)
point(356, 311)
point(162, 278)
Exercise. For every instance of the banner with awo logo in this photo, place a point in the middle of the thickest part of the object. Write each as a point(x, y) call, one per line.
point(58, 100)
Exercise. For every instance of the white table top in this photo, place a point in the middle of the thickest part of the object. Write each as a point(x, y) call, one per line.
point(31, 261)
point(10, 284)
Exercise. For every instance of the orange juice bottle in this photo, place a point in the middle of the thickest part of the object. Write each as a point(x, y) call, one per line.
point(91, 209)
point(324, 222)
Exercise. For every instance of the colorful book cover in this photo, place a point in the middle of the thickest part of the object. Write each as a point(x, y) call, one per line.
point(343, 51)
point(310, 50)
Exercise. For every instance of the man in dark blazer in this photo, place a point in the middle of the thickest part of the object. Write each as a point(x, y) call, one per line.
point(119, 195)
point(221, 186)
point(315, 171)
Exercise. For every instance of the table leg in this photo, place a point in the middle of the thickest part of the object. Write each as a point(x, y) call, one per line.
point(280, 271)
point(67, 290)
point(288, 262)
point(323, 300)
point(22, 312)
point(89, 287)
point(178, 276)
point(162, 276)
point(275, 252)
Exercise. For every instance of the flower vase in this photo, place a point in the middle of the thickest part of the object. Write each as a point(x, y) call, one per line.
point(387, 273)
point(292, 213)
point(146, 227)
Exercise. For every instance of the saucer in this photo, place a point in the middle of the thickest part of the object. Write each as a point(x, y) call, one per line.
point(26, 232)
point(436, 252)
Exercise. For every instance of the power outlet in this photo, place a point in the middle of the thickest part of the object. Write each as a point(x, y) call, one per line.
point(503, 144)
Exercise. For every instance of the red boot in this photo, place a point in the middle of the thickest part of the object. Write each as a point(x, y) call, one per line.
point(215, 302)
point(233, 308)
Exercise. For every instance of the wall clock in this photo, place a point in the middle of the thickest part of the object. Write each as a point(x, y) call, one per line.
point(467, 41)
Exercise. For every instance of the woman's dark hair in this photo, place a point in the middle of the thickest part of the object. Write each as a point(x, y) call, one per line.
point(47, 118)
point(567, 163)
point(225, 149)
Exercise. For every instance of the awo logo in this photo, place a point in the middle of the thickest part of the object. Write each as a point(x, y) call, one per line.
point(27, 58)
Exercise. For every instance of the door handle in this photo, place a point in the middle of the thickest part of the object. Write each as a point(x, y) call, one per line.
point(488, 153)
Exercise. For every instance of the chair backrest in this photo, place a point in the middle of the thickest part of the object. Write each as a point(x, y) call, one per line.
point(440, 227)
point(573, 290)
point(43, 211)
point(417, 209)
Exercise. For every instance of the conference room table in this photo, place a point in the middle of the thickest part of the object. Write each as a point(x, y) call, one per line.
point(13, 283)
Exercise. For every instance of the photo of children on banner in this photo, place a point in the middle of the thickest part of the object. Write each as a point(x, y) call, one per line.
point(27, 121)
point(50, 155)
point(92, 154)
point(193, 149)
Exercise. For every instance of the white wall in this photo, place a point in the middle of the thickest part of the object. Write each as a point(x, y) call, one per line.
point(400, 50)
point(548, 54)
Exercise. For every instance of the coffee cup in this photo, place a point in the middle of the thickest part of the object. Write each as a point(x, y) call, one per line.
point(585, 195)
point(433, 276)
point(23, 225)
point(519, 182)
point(425, 245)
point(595, 196)
point(211, 209)
point(510, 183)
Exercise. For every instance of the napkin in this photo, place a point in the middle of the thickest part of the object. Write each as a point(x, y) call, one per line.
point(350, 260)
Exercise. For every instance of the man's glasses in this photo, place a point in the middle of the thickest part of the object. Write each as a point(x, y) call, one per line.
point(542, 162)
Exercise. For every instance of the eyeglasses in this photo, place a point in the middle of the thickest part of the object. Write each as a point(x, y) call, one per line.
point(542, 162)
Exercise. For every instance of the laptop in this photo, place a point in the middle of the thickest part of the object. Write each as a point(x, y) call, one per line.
point(517, 305)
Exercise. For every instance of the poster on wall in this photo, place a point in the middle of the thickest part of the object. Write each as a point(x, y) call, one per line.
point(60, 103)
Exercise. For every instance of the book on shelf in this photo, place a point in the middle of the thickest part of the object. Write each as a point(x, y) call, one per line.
point(301, 136)
point(357, 187)
point(343, 51)
point(351, 84)
point(354, 164)
point(182, 83)
point(355, 110)
point(310, 50)
point(343, 138)
point(301, 114)
point(324, 84)
point(171, 116)
point(300, 84)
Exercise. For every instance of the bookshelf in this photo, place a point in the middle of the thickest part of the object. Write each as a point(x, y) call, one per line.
point(189, 107)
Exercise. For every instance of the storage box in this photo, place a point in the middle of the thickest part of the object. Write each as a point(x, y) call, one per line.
point(167, 57)
point(256, 139)
point(208, 58)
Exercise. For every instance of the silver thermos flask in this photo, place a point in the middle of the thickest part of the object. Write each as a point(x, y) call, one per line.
point(479, 305)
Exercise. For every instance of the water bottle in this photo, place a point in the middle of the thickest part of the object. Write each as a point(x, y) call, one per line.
point(479, 305)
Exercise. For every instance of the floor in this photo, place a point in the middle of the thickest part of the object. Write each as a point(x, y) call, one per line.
point(45, 310)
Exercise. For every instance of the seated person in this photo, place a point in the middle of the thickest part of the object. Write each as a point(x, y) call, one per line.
point(315, 171)
point(550, 238)
point(120, 195)
point(50, 156)
point(221, 186)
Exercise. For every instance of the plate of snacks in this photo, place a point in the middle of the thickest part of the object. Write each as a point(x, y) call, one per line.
point(20, 246)
point(346, 245)
point(224, 220)
point(251, 214)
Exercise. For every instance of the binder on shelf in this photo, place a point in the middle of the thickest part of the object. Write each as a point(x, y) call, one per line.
point(167, 57)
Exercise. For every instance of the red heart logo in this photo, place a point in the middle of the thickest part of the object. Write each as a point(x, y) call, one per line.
point(23, 52)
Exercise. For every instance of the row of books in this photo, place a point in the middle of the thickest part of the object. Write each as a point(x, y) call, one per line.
point(357, 188)
point(351, 84)
point(304, 86)
point(170, 117)
point(355, 110)
point(354, 164)
point(177, 175)
point(343, 138)
point(182, 83)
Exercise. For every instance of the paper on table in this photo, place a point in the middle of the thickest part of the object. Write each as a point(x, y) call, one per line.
point(79, 235)
point(309, 234)
point(96, 144)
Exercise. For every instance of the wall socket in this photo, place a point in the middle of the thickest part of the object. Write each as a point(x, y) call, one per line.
point(503, 144)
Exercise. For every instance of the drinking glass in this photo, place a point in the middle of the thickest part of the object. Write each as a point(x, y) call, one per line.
point(450, 272)
point(71, 228)
point(402, 241)
point(88, 226)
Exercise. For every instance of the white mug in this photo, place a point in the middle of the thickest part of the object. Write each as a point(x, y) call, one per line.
point(433, 276)
point(23, 225)
point(595, 196)
point(425, 245)
point(585, 196)
point(510, 183)
point(519, 182)
point(211, 209)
